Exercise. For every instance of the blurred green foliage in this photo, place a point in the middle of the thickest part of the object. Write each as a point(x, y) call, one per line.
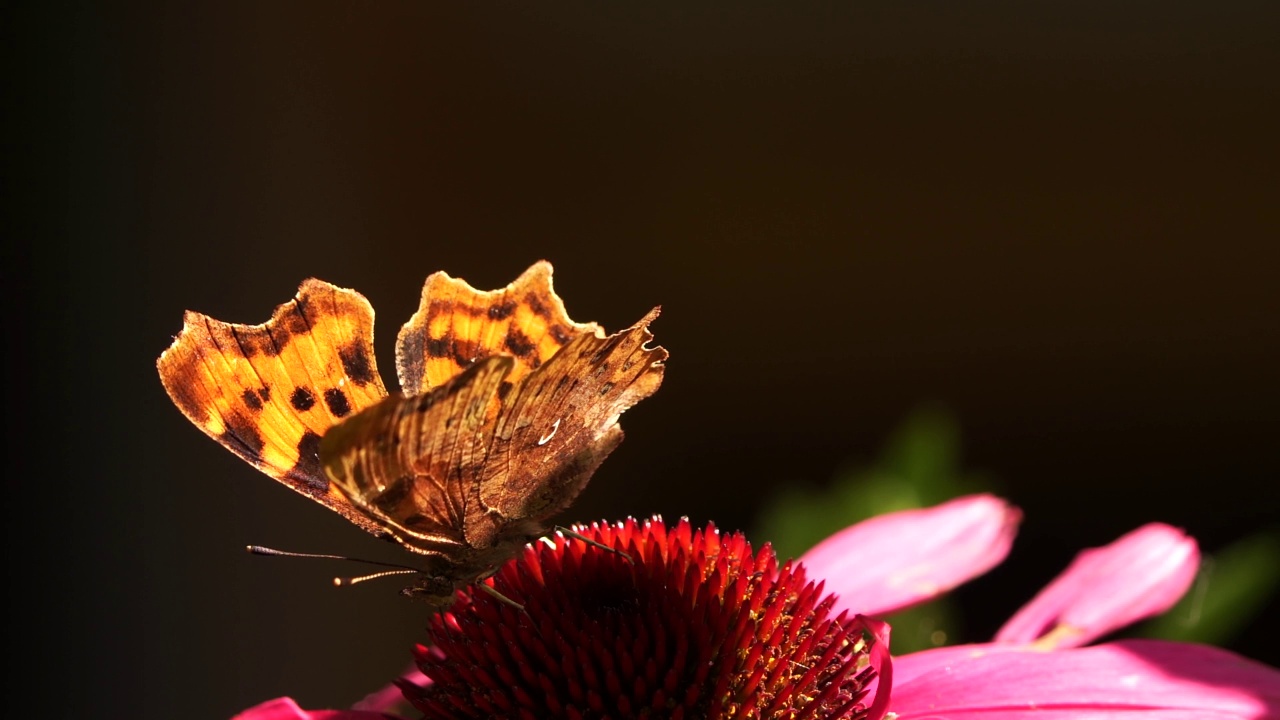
point(919, 467)
point(1233, 587)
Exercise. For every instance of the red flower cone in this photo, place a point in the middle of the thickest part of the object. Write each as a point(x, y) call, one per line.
point(676, 623)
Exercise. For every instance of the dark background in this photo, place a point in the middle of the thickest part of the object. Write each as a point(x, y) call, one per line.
point(1057, 219)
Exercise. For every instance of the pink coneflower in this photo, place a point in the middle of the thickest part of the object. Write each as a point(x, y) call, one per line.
point(1036, 668)
point(287, 709)
point(684, 623)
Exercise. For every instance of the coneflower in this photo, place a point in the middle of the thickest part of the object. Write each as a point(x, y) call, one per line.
point(673, 622)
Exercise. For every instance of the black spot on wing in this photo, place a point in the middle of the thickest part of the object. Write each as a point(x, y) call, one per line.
point(518, 343)
point(337, 402)
point(252, 399)
point(503, 388)
point(439, 307)
point(307, 471)
point(293, 322)
point(502, 310)
point(465, 353)
point(302, 400)
point(253, 342)
point(264, 393)
point(355, 362)
point(537, 307)
point(439, 347)
point(561, 334)
point(242, 435)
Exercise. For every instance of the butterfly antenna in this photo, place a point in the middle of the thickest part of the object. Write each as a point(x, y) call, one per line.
point(349, 581)
point(259, 550)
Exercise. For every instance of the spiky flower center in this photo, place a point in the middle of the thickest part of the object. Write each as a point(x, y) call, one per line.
point(677, 623)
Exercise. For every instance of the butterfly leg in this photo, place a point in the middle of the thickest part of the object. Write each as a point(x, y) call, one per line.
point(499, 596)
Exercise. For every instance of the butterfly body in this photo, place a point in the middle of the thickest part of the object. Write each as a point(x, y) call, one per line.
point(508, 407)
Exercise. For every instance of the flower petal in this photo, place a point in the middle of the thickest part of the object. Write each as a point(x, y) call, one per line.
point(881, 687)
point(286, 709)
point(907, 668)
point(1127, 679)
point(893, 561)
point(390, 698)
point(1104, 589)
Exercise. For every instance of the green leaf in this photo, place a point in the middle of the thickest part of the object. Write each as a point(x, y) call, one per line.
point(1233, 587)
point(919, 466)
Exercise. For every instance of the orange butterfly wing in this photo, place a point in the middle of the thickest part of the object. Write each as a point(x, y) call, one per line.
point(455, 325)
point(519, 406)
point(561, 420)
point(270, 392)
point(510, 407)
point(414, 464)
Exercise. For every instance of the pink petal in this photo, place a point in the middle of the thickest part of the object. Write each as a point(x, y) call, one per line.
point(1104, 589)
point(893, 561)
point(286, 709)
point(907, 668)
point(880, 687)
point(1128, 679)
point(391, 698)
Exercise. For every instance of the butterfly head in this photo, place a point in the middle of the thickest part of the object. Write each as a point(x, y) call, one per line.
point(437, 591)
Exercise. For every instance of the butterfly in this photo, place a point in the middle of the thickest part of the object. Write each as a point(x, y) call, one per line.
point(506, 409)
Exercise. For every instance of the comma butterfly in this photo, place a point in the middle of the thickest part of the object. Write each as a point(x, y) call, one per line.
point(508, 407)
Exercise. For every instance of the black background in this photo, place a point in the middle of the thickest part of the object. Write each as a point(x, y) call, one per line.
point(1056, 218)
